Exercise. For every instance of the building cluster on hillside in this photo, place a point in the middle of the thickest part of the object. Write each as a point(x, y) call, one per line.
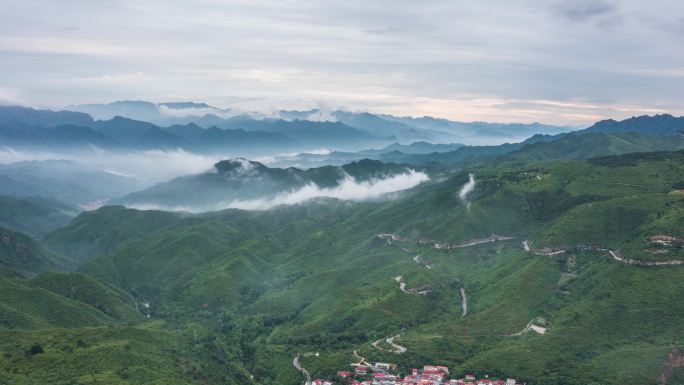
point(385, 374)
point(666, 240)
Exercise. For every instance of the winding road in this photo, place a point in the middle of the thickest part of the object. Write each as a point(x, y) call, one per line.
point(362, 360)
point(530, 326)
point(299, 367)
point(396, 348)
point(493, 238)
point(614, 254)
point(637, 262)
point(402, 287)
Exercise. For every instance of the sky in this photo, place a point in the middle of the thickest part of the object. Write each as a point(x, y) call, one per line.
point(568, 62)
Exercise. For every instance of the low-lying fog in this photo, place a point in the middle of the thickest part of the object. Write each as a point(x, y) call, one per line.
point(146, 166)
point(348, 189)
point(149, 167)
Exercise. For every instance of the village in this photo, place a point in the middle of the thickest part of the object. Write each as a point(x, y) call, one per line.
point(381, 373)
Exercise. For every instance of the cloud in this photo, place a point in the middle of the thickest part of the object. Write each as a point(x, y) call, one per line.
point(323, 113)
point(467, 188)
point(348, 189)
point(195, 112)
point(64, 46)
point(10, 97)
point(355, 54)
point(582, 10)
point(148, 167)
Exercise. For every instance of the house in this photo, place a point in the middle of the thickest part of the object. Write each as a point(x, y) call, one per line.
point(436, 368)
point(343, 373)
point(382, 367)
point(510, 381)
point(318, 381)
point(469, 377)
point(361, 370)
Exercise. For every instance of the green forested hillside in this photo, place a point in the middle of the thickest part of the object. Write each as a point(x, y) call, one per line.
point(576, 145)
point(24, 254)
point(233, 296)
point(34, 215)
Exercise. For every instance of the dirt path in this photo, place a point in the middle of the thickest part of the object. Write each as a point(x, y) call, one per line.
point(396, 348)
point(362, 360)
point(299, 367)
point(464, 302)
point(530, 326)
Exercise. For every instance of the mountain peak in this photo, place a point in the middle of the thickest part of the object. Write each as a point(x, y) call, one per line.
point(238, 164)
point(185, 105)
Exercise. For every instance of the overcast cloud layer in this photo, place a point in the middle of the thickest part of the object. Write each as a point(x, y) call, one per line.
point(563, 61)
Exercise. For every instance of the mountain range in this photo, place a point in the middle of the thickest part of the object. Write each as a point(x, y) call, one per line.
point(556, 259)
point(235, 294)
point(406, 130)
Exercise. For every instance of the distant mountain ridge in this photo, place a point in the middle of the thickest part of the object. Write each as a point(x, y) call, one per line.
point(252, 135)
point(404, 129)
point(245, 135)
point(657, 125)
